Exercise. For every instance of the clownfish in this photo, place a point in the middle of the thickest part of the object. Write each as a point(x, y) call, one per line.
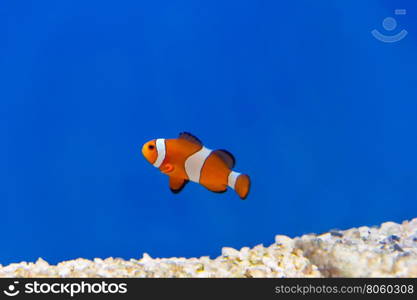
point(186, 159)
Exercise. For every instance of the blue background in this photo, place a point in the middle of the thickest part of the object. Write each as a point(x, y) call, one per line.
point(319, 113)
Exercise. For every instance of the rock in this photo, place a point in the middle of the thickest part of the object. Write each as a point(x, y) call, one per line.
point(336, 233)
point(230, 252)
point(387, 251)
point(365, 252)
point(284, 240)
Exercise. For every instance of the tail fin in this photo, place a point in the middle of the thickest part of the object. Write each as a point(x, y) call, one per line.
point(240, 183)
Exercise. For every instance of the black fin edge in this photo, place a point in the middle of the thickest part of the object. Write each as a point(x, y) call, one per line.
point(229, 154)
point(219, 192)
point(192, 136)
point(180, 189)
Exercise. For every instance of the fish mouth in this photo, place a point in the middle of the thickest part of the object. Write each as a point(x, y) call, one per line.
point(146, 153)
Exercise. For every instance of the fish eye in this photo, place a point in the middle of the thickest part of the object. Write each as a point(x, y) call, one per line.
point(151, 147)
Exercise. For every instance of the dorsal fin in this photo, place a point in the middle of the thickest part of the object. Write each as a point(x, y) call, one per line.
point(227, 157)
point(189, 137)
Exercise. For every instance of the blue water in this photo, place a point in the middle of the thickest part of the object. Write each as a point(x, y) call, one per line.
point(319, 113)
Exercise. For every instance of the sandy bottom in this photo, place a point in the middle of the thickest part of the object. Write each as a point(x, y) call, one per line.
point(389, 250)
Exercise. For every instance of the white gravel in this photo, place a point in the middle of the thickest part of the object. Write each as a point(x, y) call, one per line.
point(386, 251)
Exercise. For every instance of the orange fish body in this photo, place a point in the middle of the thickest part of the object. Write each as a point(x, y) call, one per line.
point(186, 159)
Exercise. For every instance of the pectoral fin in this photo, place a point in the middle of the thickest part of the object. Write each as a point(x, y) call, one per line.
point(177, 184)
point(166, 168)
